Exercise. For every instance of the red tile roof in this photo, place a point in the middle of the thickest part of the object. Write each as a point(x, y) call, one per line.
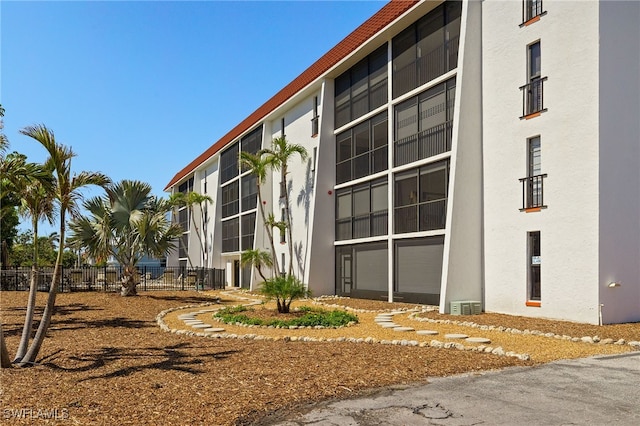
point(368, 29)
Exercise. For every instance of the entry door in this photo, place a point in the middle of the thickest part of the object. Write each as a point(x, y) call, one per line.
point(345, 279)
point(236, 273)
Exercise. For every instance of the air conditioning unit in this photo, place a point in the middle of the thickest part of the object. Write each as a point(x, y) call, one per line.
point(465, 307)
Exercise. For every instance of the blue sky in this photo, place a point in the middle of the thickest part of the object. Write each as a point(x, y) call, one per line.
point(139, 89)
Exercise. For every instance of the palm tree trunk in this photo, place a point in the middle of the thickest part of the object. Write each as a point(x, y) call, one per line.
point(28, 319)
point(38, 339)
point(269, 232)
point(5, 361)
point(195, 227)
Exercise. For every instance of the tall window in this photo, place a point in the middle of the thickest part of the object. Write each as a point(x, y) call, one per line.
point(230, 235)
point(534, 261)
point(362, 88)
point(362, 150)
point(531, 9)
point(230, 199)
point(533, 90)
point(426, 49)
point(423, 124)
point(361, 210)
point(229, 163)
point(249, 192)
point(420, 198)
point(315, 120)
point(533, 184)
point(248, 227)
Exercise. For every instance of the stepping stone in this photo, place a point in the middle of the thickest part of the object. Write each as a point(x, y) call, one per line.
point(379, 320)
point(403, 329)
point(455, 336)
point(478, 340)
point(186, 316)
point(201, 326)
point(388, 325)
point(427, 332)
point(193, 322)
point(213, 330)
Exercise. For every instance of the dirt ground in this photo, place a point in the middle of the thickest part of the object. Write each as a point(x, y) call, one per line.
point(106, 361)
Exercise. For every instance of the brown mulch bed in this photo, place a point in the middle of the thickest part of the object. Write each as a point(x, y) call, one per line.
point(105, 361)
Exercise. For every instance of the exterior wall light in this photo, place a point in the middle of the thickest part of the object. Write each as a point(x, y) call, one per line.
point(614, 284)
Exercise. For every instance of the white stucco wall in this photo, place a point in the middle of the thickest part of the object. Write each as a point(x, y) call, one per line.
point(462, 260)
point(300, 181)
point(569, 140)
point(619, 168)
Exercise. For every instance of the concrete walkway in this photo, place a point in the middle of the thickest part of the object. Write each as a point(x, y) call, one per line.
point(592, 391)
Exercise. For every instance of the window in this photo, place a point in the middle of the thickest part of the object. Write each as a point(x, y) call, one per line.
point(530, 10)
point(420, 198)
point(249, 192)
point(426, 49)
point(230, 199)
point(248, 226)
point(362, 270)
point(533, 184)
point(534, 261)
point(361, 210)
point(282, 127)
point(283, 234)
point(183, 219)
point(230, 234)
point(229, 163)
point(418, 269)
point(316, 118)
point(252, 142)
point(362, 150)
point(362, 88)
point(423, 124)
point(532, 92)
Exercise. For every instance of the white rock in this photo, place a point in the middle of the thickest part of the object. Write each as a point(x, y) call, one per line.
point(587, 339)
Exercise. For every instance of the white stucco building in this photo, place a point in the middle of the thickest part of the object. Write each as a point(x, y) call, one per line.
point(479, 150)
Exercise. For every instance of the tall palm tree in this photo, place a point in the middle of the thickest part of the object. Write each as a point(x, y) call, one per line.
point(128, 223)
point(66, 191)
point(37, 203)
point(190, 199)
point(258, 167)
point(278, 158)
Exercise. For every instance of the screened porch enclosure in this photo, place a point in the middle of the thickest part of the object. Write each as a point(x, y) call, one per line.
point(362, 270)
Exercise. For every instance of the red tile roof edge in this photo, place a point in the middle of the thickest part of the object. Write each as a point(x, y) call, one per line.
point(368, 29)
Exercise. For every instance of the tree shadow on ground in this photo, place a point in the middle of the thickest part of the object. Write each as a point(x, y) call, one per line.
point(171, 358)
point(117, 322)
point(184, 299)
point(14, 327)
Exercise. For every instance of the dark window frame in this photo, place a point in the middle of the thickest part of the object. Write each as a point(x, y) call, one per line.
point(230, 199)
point(417, 212)
point(374, 93)
point(369, 223)
point(375, 156)
point(231, 235)
point(229, 163)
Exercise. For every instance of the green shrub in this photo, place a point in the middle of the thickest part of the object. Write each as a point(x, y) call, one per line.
point(285, 289)
point(310, 318)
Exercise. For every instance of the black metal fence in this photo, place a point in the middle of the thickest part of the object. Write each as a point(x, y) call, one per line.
point(94, 278)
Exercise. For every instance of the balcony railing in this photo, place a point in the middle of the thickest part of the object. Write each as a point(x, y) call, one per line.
point(430, 142)
point(533, 192)
point(531, 9)
point(533, 97)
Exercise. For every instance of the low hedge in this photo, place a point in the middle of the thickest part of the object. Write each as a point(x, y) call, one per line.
point(310, 317)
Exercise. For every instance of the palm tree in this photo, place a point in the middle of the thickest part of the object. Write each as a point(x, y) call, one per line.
point(189, 199)
point(256, 258)
point(37, 203)
point(258, 167)
point(128, 223)
point(278, 158)
point(66, 191)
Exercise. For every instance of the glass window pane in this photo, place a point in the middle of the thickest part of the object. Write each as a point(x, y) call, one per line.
point(433, 183)
point(361, 135)
point(380, 133)
point(406, 189)
point(379, 195)
point(343, 143)
point(343, 198)
point(361, 200)
point(406, 119)
point(534, 60)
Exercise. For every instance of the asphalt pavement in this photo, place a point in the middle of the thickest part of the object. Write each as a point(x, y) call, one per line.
point(603, 390)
